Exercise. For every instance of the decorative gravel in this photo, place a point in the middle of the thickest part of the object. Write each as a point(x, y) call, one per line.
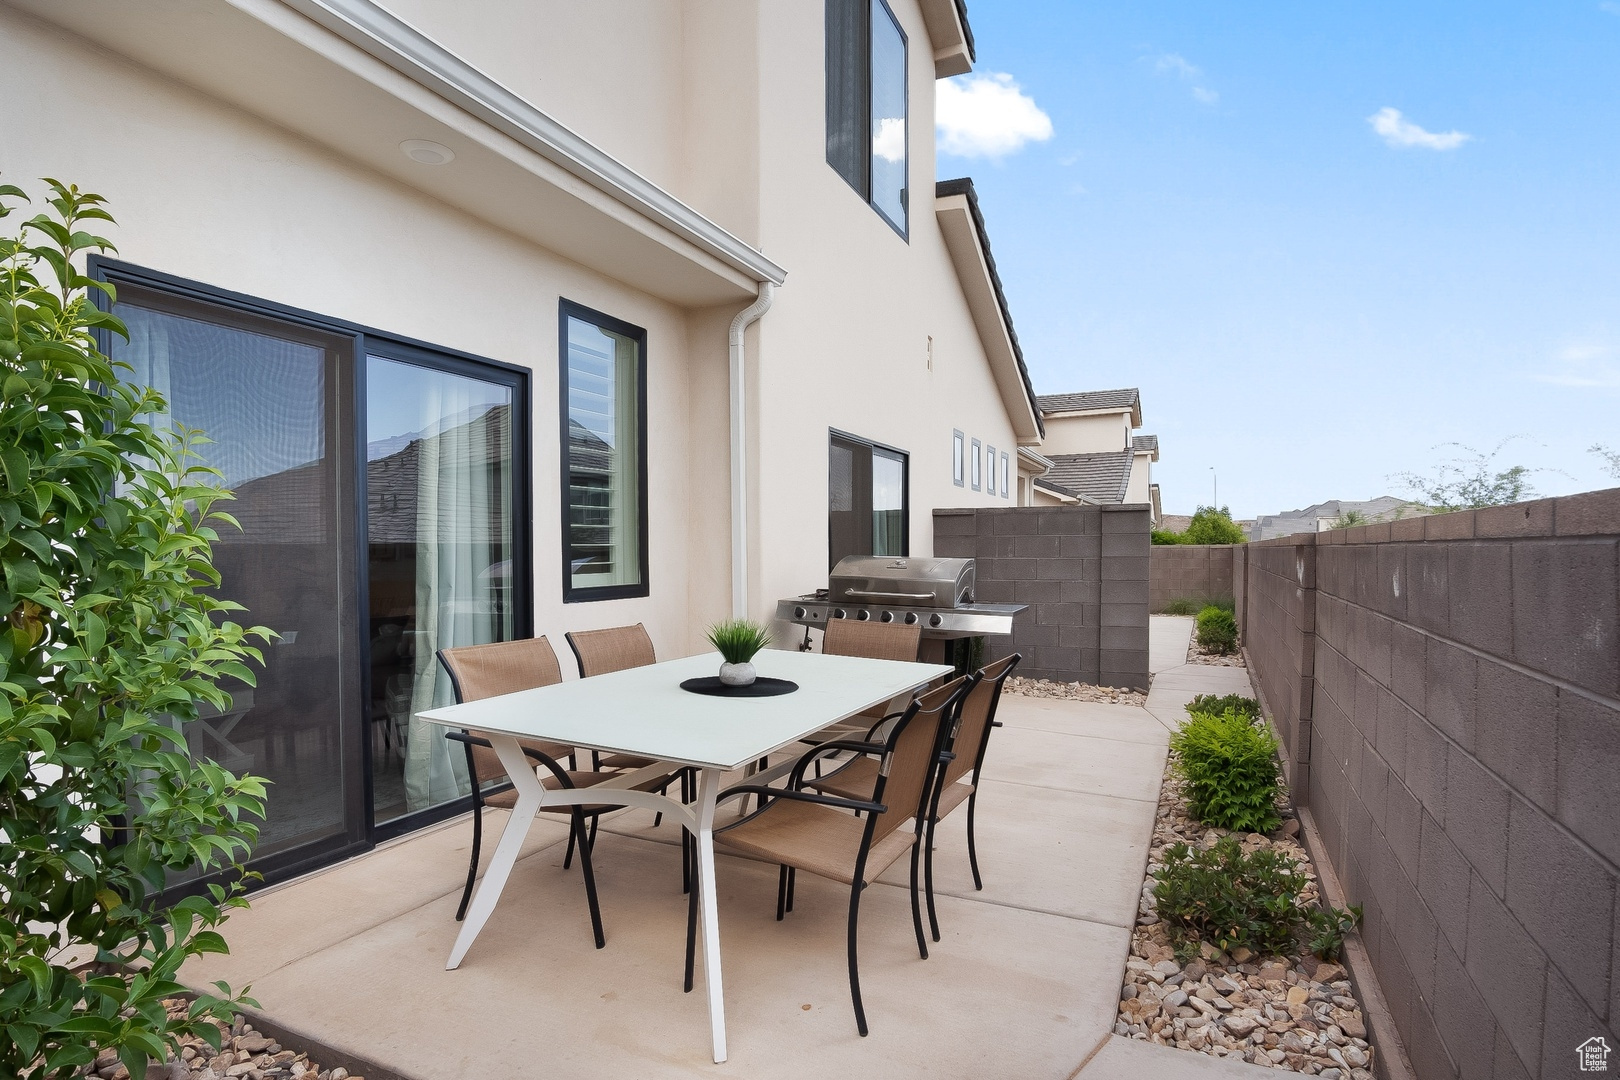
point(1074, 691)
point(244, 1053)
point(1294, 1013)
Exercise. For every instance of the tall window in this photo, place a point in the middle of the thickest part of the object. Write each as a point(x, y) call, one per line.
point(976, 464)
point(604, 459)
point(867, 499)
point(866, 104)
point(958, 458)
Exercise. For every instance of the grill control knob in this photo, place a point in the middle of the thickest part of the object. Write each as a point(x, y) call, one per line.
point(887, 616)
point(936, 620)
point(911, 618)
point(862, 615)
point(838, 613)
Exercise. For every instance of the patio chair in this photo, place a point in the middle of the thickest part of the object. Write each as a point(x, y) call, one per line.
point(617, 648)
point(482, 671)
point(875, 641)
point(811, 831)
point(966, 747)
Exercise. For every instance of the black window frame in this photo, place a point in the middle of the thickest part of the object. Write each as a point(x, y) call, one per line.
point(366, 834)
point(874, 448)
point(847, 69)
point(572, 594)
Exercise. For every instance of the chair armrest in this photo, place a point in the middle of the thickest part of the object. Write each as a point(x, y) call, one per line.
point(796, 777)
point(803, 796)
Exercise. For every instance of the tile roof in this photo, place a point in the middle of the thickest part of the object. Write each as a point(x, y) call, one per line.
point(1145, 442)
point(1102, 477)
point(1129, 398)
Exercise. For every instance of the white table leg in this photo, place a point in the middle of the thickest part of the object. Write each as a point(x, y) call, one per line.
point(530, 793)
point(709, 910)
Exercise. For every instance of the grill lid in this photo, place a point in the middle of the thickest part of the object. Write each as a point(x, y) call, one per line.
point(901, 580)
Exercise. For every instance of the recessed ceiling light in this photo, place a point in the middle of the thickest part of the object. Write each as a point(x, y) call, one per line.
point(424, 152)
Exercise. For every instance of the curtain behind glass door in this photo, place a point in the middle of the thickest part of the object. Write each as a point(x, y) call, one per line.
point(439, 539)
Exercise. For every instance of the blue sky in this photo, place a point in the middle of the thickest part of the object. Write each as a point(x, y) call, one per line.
point(1309, 301)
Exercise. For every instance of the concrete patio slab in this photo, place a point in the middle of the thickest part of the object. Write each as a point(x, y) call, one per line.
point(1024, 983)
point(1168, 638)
point(1230, 680)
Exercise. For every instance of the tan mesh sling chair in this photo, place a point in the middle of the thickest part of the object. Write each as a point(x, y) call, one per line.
point(806, 830)
point(876, 641)
point(617, 648)
point(482, 671)
point(965, 755)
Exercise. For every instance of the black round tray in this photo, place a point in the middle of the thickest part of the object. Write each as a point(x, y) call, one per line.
point(760, 687)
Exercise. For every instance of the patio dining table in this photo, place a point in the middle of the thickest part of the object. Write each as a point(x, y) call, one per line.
point(643, 711)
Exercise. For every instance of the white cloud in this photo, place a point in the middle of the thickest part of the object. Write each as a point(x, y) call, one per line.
point(1398, 131)
point(1187, 71)
point(889, 141)
point(1587, 364)
point(1177, 63)
point(987, 116)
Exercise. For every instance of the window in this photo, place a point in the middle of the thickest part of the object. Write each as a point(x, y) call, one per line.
point(1005, 490)
point(958, 458)
point(866, 104)
point(990, 469)
point(867, 499)
point(976, 465)
point(604, 456)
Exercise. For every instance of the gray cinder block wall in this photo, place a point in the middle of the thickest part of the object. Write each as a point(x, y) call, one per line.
point(1084, 572)
point(1457, 732)
point(1201, 572)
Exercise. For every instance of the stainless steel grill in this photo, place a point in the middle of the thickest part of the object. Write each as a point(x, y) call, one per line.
point(935, 594)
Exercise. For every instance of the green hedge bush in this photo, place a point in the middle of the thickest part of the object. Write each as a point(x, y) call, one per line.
point(1229, 765)
point(1209, 703)
point(1217, 630)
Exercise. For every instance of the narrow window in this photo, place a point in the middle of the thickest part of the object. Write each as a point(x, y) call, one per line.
point(604, 456)
point(867, 499)
point(958, 458)
point(990, 469)
point(867, 104)
point(977, 465)
point(1005, 490)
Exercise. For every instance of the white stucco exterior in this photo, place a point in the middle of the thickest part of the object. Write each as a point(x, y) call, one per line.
point(247, 145)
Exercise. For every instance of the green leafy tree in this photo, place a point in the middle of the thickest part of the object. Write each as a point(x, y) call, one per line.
point(1210, 525)
point(1349, 520)
point(1471, 480)
point(113, 637)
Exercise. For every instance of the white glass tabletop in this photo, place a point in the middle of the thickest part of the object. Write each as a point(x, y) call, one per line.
point(644, 711)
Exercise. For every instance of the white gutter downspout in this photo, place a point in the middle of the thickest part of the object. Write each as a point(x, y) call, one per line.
point(739, 452)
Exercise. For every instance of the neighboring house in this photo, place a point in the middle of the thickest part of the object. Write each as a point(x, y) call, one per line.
point(658, 294)
point(1093, 455)
point(1323, 515)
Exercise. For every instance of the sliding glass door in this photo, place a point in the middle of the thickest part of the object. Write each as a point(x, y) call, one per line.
point(382, 489)
point(272, 397)
point(440, 528)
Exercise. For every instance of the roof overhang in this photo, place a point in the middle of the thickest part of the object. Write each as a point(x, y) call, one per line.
point(957, 209)
point(1033, 464)
point(349, 75)
point(1135, 412)
point(950, 35)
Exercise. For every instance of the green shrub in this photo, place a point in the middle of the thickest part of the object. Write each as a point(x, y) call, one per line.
point(1229, 765)
point(1217, 630)
point(1182, 606)
point(1214, 526)
point(1162, 536)
point(1227, 898)
point(1209, 703)
point(112, 636)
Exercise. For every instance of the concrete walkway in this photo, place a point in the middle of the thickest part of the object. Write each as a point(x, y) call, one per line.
point(1025, 983)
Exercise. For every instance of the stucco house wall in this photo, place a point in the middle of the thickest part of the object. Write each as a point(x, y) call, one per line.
point(1088, 433)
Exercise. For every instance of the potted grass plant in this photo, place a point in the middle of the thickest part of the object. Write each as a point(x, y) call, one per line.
point(737, 640)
